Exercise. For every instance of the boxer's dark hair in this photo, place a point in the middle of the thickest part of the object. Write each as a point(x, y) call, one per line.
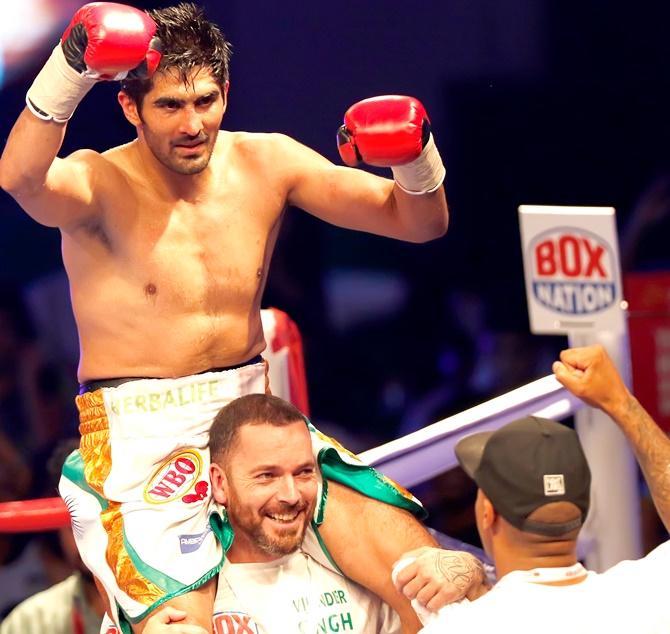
point(188, 41)
point(252, 409)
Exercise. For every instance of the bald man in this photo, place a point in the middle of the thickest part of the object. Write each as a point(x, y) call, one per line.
point(533, 497)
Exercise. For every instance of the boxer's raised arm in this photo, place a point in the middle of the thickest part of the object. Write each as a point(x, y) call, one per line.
point(390, 131)
point(52, 191)
point(103, 41)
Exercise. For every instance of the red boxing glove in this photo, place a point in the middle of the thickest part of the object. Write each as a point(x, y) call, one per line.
point(104, 40)
point(384, 131)
point(393, 131)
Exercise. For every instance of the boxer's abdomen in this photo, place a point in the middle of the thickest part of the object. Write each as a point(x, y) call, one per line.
point(142, 345)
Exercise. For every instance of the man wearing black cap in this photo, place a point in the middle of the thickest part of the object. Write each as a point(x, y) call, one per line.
point(532, 473)
point(533, 497)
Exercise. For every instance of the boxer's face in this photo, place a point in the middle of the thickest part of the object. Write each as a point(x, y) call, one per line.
point(179, 121)
point(270, 488)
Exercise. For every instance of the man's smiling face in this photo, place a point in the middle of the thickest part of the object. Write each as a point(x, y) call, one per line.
point(271, 487)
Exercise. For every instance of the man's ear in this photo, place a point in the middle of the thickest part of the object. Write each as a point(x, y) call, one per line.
point(129, 107)
point(219, 482)
point(226, 86)
point(488, 514)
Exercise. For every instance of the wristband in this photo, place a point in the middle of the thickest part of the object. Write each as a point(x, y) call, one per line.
point(57, 89)
point(424, 175)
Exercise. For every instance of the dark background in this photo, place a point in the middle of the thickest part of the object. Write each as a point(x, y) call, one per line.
point(532, 101)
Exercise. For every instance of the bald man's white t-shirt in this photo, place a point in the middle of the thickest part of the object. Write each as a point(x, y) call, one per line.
point(631, 597)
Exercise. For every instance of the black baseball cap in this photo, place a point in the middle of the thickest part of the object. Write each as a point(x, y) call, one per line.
point(526, 464)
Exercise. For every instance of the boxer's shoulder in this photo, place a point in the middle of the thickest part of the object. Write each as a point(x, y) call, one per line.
point(256, 146)
point(121, 155)
point(108, 174)
point(85, 157)
point(256, 154)
point(100, 164)
point(121, 165)
point(277, 156)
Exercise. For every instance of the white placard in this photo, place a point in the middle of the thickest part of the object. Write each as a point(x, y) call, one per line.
point(572, 270)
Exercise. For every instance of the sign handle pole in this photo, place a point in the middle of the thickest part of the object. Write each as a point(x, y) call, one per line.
point(613, 529)
point(573, 285)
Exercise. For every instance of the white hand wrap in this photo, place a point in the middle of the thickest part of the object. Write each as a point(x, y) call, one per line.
point(424, 175)
point(57, 89)
point(425, 615)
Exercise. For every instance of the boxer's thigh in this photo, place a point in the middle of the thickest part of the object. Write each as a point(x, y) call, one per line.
point(366, 537)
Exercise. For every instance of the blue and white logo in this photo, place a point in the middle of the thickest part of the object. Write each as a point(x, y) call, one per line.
point(573, 271)
point(191, 543)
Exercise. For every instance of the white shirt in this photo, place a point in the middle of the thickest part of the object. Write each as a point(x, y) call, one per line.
point(300, 593)
point(631, 597)
point(296, 594)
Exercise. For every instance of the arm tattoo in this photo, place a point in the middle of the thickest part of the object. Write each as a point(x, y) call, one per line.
point(652, 449)
point(461, 569)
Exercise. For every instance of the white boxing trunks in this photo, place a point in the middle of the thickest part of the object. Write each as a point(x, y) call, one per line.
point(138, 488)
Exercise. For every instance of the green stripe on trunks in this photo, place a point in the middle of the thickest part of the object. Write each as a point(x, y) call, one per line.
point(365, 480)
point(73, 470)
point(173, 588)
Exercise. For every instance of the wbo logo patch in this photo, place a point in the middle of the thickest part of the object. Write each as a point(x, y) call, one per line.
point(234, 623)
point(175, 478)
point(572, 271)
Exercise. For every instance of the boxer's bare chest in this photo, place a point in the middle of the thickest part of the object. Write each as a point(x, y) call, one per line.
point(191, 252)
point(213, 248)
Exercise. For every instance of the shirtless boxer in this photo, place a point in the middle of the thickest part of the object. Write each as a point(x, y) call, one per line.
point(166, 242)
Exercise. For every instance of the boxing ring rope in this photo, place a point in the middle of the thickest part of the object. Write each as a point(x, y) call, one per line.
point(33, 515)
point(427, 452)
point(410, 460)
